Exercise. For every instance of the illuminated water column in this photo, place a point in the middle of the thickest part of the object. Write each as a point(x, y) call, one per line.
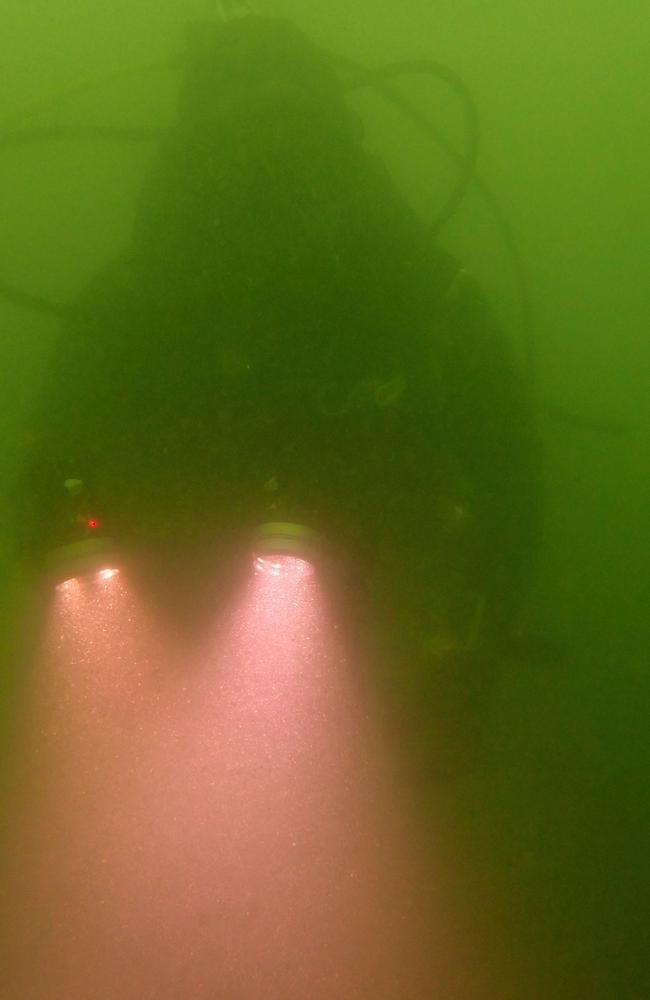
point(213, 824)
point(88, 749)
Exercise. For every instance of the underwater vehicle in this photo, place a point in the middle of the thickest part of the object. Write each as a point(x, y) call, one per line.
point(284, 341)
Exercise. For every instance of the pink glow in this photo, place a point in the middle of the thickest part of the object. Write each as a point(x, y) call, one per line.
point(287, 567)
point(107, 574)
point(214, 825)
point(76, 584)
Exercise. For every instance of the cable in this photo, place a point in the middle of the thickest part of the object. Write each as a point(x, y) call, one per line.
point(12, 137)
point(466, 167)
point(37, 303)
point(27, 137)
point(88, 87)
point(466, 164)
point(15, 138)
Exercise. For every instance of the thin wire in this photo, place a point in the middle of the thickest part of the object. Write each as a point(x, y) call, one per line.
point(11, 137)
point(467, 162)
point(467, 174)
point(76, 133)
point(28, 137)
point(17, 118)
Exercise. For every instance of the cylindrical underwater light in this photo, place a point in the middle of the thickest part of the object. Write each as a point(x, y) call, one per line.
point(281, 546)
point(83, 558)
point(83, 550)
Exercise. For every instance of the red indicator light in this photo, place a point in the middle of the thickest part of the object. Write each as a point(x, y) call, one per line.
point(92, 523)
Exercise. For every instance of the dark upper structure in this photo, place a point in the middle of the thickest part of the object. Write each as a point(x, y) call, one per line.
point(283, 339)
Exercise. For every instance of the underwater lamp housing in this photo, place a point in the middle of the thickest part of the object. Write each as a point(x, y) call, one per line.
point(83, 549)
point(285, 547)
point(278, 548)
point(80, 559)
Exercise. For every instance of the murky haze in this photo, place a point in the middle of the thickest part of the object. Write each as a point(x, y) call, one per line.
point(545, 846)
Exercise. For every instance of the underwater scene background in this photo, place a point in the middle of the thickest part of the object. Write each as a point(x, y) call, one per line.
point(534, 857)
